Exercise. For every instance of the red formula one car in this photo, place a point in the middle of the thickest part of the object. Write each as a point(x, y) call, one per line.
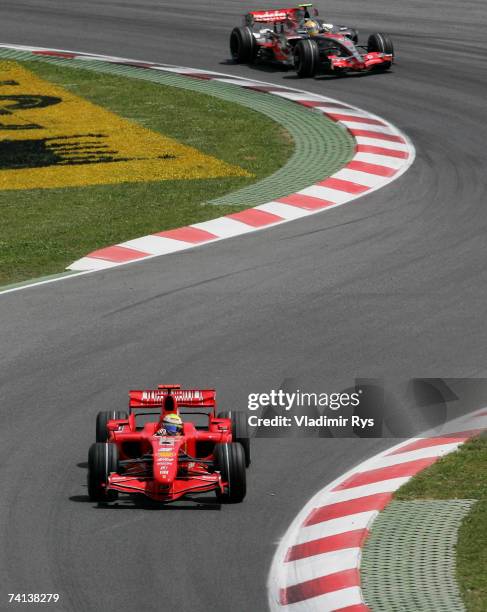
point(297, 38)
point(132, 456)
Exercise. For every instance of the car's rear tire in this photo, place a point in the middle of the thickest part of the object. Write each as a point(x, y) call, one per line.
point(381, 43)
point(102, 460)
point(243, 47)
point(102, 420)
point(230, 462)
point(240, 430)
point(306, 58)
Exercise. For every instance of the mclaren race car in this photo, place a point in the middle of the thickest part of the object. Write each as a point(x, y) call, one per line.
point(170, 444)
point(296, 38)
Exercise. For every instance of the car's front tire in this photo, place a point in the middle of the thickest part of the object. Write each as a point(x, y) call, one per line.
point(102, 460)
point(230, 462)
point(243, 47)
point(306, 58)
point(381, 43)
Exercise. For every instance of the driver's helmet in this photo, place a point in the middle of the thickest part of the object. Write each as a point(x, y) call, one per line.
point(173, 424)
point(312, 26)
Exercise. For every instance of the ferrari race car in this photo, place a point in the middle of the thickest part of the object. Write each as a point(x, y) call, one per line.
point(133, 453)
point(297, 38)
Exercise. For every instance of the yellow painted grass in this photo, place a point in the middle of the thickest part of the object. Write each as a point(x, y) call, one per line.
point(51, 138)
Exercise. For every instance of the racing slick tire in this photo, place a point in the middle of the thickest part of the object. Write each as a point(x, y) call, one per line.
point(102, 459)
point(102, 419)
point(243, 47)
point(306, 58)
point(381, 43)
point(240, 430)
point(230, 462)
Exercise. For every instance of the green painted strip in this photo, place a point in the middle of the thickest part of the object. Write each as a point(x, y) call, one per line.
point(35, 281)
point(322, 146)
point(408, 562)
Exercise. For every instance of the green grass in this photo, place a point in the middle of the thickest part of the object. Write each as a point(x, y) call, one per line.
point(42, 231)
point(462, 475)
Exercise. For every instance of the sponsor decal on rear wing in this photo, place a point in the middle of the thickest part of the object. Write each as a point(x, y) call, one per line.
point(187, 398)
point(272, 16)
point(296, 13)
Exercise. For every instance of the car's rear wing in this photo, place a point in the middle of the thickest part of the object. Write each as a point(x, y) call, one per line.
point(295, 13)
point(271, 16)
point(185, 398)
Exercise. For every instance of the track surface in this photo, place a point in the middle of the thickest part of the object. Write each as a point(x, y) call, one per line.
point(393, 284)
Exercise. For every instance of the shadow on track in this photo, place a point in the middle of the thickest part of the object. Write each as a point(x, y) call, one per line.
point(140, 502)
point(270, 68)
point(143, 503)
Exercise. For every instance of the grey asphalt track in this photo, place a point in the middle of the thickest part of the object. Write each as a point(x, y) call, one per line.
point(393, 285)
